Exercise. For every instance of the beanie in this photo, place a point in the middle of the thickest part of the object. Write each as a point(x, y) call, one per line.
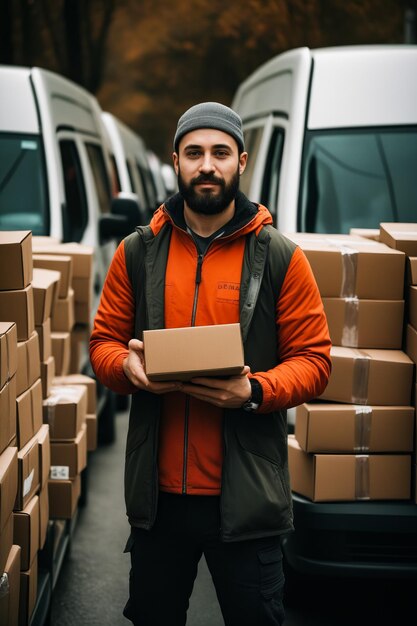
point(210, 115)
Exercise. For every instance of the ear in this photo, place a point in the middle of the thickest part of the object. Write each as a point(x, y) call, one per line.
point(175, 162)
point(243, 159)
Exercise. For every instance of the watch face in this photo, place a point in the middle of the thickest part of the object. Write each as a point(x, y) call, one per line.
point(250, 406)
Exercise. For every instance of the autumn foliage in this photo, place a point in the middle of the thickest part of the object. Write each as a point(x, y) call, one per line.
point(148, 60)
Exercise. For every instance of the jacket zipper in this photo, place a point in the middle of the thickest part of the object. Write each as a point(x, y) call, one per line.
point(187, 399)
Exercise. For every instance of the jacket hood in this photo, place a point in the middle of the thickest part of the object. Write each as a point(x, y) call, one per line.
point(248, 216)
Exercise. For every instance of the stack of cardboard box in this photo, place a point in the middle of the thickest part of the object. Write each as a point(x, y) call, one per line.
point(70, 335)
point(23, 302)
point(69, 394)
point(37, 318)
point(404, 237)
point(9, 553)
point(355, 441)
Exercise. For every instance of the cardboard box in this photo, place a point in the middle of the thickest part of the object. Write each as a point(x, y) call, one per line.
point(358, 323)
point(80, 379)
point(45, 285)
point(82, 313)
point(345, 266)
point(6, 541)
point(10, 589)
point(322, 427)
point(349, 477)
point(411, 342)
point(43, 514)
point(63, 497)
point(82, 255)
point(8, 483)
point(29, 413)
point(61, 351)
point(26, 531)
point(91, 422)
point(400, 236)
point(7, 413)
point(412, 306)
point(59, 263)
point(8, 351)
point(18, 306)
point(69, 458)
point(184, 353)
point(80, 338)
point(368, 233)
point(63, 314)
point(44, 443)
point(411, 271)
point(28, 480)
point(376, 377)
point(28, 363)
point(28, 592)
point(47, 375)
point(83, 288)
point(45, 340)
point(15, 259)
point(65, 410)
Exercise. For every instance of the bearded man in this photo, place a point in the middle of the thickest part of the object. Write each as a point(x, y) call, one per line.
point(206, 468)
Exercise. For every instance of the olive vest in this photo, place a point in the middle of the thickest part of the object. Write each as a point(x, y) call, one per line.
point(255, 496)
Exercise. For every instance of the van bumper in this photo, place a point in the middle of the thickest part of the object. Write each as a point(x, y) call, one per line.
point(353, 539)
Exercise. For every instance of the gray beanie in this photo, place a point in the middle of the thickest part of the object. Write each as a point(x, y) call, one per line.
point(210, 115)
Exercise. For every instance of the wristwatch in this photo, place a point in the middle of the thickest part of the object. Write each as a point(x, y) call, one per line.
point(256, 397)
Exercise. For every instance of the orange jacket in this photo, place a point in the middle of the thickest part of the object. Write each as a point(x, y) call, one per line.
point(190, 457)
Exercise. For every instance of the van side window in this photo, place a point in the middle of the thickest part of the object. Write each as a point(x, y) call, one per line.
point(270, 183)
point(101, 179)
point(130, 174)
point(75, 216)
point(252, 138)
point(115, 180)
point(148, 186)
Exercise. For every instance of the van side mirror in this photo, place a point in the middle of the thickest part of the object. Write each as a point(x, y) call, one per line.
point(128, 205)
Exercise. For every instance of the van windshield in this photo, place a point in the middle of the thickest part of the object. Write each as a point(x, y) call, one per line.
point(23, 193)
point(357, 179)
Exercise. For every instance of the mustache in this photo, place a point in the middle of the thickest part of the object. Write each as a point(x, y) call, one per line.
point(207, 178)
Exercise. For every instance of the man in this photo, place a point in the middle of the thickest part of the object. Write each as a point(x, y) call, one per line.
point(206, 461)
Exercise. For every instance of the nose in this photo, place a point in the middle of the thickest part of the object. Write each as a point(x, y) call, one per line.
point(207, 164)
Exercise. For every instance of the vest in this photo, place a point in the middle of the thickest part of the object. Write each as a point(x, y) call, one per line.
point(255, 496)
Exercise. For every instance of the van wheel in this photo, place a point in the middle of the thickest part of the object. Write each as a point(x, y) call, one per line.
point(106, 432)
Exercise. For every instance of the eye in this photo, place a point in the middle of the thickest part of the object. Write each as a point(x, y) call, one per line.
point(193, 154)
point(221, 154)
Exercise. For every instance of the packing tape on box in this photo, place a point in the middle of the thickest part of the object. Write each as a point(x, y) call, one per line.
point(349, 268)
point(4, 585)
point(350, 326)
point(27, 483)
point(58, 394)
point(362, 477)
point(363, 424)
point(360, 377)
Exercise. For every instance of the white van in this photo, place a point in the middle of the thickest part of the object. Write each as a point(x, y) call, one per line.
point(55, 174)
point(332, 137)
point(332, 142)
point(131, 172)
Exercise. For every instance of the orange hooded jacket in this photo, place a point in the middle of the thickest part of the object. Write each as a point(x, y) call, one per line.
point(190, 439)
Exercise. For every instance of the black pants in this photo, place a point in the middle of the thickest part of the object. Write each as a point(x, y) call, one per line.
point(247, 575)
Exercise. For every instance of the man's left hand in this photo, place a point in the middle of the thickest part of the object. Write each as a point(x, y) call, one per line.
point(229, 393)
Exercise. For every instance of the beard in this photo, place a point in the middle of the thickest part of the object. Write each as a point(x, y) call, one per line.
point(207, 202)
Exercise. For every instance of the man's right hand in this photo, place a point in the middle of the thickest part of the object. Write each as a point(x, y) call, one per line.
point(134, 369)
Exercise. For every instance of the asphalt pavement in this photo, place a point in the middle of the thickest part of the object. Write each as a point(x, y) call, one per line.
point(92, 586)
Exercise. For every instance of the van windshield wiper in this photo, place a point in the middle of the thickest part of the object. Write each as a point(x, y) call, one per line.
point(9, 174)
